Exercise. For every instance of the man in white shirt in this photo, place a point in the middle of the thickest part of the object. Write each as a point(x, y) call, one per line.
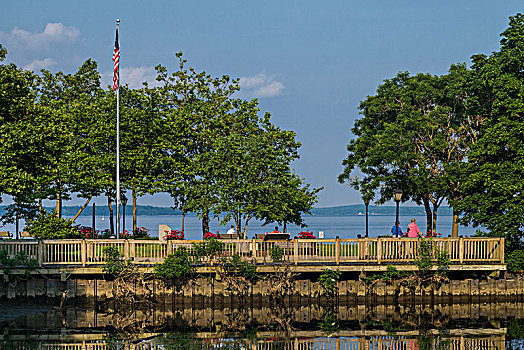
point(231, 231)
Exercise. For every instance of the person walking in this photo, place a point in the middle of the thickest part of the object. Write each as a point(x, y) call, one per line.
point(396, 231)
point(413, 230)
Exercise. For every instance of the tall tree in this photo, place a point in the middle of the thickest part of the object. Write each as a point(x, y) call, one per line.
point(494, 190)
point(412, 132)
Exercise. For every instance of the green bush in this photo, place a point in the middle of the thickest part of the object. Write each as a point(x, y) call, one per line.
point(49, 226)
point(20, 259)
point(235, 266)
point(176, 265)
point(515, 261)
point(115, 263)
point(211, 249)
point(276, 253)
point(329, 281)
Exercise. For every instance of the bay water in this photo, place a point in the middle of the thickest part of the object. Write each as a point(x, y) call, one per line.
point(332, 226)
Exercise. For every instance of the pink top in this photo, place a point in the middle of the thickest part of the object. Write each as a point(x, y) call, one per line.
point(413, 230)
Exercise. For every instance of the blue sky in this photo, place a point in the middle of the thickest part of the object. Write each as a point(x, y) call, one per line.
point(308, 62)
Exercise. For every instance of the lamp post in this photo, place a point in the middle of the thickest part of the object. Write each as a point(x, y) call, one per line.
point(397, 195)
point(366, 202)
point(123, 200)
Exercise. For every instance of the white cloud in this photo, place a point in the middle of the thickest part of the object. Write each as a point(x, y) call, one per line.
point(52, 34)
point(260, 85)
point(133, 76)
point(36, 65)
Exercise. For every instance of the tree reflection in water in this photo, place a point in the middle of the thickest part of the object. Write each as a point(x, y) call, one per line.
point(270, 325)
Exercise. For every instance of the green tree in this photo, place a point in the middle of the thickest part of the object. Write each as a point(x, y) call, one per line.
point(413, 132)
point(494, 190)
point(196, 112)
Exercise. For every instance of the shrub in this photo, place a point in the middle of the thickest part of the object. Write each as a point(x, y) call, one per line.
point(20, 259)
point(176, 265)
point(87, 231)
point(515, 261)
point(105, 234)
point(329, 281)
point(306, 235)
point(140, 232)
point(210, 235)
point(276, 253)
point(210, 248)
point(235, 266)
point(49, 226)
point(115, 263)
point(174, 235)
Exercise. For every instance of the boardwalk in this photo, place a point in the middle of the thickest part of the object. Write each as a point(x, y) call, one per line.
point(372, 254)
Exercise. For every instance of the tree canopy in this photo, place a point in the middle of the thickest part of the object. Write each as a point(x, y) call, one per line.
point(190, 137)
point(456, 137)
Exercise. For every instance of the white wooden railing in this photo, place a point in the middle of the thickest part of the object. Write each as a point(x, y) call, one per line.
point(90, 252)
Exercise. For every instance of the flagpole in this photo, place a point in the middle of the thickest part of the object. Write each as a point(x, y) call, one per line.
point(118, 143)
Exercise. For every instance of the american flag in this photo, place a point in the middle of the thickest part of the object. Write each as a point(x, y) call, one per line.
point(116, 59)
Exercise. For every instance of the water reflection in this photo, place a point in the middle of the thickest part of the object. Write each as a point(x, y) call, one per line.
point(166, 326)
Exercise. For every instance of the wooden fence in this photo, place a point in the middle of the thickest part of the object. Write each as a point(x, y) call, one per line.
point(90, 252)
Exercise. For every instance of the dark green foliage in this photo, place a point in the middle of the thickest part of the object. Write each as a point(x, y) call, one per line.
point(19, 260)
point(49, 226)
point(236, 267)
point(276, 253)
point(493, 190)
point(175, 266)
point(429, 255)
point(391, 274)
point(329, 323)
point(115, 263)
point(209, 249)
point(329, 281)
point(515, 261)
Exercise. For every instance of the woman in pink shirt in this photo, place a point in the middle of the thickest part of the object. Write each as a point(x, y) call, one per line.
point(413, 230)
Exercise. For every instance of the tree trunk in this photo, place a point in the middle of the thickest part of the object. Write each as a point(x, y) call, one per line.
point(285, 227)
point(111, 223)
point(134, 210)
point(244, 234)
point(455, 225)
point(429, 216)
point(59, 204)
point(434, 227)
point(40, 207)
point(205, 222)
point(238, 225)
point(82, 208)
point(59, 199)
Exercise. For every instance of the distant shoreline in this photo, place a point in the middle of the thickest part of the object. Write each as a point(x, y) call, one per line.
point(344, 210)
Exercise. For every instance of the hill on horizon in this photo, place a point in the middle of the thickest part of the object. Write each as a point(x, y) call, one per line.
point(343, 210)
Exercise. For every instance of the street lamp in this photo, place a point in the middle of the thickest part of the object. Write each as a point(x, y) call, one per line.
point(397, 195)
point(123, 200)
point(366, 202)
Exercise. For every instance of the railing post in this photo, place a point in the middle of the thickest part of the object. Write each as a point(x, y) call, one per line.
point(295, 250)
point(379, 250)
point(169, 249)
point(254, 248)
point(461, 250)
point(40, 253)
point(502, 245)
point(337, 250)
point(83, 251)
point(126, 249)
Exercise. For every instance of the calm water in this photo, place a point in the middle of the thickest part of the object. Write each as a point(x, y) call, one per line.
point(344, 227)
point(479, 326)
